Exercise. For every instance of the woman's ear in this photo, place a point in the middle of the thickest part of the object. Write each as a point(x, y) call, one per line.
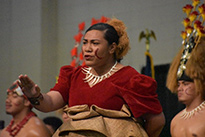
point(112, 48)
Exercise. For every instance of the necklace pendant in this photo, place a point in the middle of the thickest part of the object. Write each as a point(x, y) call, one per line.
point(186, 115)
point(89, 77)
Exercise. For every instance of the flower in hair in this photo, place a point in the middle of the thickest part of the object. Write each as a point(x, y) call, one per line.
point(200, 30)
point(104, 19)
point(193, 16)
point(203, 15)
point(184, 35)
point(81, 26)
point(202, 33)
point(186, 22)
point(201, 8)
point(187, 9)
point(78, 37)
point(189, 29)
point(195, 2)
point(94, 21)
point(197, 23)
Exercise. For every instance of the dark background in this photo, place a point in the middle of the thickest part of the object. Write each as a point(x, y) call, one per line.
point(168, 100)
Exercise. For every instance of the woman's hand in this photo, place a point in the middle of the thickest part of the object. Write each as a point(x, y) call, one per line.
point(29, 88)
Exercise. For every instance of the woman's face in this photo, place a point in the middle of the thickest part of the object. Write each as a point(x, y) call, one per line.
point(95, 48)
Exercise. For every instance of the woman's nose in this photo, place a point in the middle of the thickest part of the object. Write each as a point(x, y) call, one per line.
point(88, 48)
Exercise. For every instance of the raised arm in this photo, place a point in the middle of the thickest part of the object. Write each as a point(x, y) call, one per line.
point(47, 102)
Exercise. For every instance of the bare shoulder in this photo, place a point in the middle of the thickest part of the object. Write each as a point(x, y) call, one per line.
point(35, 121)
point(37, 128)
point(176, 119)
point(199, 117)
point(4, 133)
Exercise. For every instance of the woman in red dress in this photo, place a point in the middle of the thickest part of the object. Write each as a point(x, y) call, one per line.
point(105, 98)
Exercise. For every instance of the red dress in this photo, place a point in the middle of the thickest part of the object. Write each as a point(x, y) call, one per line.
point(126, 86)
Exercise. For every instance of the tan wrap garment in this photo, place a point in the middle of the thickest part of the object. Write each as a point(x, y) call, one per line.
point(98, 122)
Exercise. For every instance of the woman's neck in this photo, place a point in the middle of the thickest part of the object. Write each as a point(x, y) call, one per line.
point(103, 69)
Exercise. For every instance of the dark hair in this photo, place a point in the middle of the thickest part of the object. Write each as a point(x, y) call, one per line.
point(54, 122)
point(110, 33)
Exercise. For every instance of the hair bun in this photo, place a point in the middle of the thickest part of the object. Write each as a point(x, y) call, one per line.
point(123, 45)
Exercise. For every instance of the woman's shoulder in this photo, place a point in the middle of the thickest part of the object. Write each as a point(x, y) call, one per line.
point(128, 77)
point(128, 72)
point(68, 70)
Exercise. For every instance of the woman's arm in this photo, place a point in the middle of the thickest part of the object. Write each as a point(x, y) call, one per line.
point(51, 101)
point(44, 102)
point(154, 124)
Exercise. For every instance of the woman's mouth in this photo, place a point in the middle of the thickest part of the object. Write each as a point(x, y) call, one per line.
point(87, 57)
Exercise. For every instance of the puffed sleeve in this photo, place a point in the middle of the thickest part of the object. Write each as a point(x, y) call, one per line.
point(64, 80)
point(140, 95)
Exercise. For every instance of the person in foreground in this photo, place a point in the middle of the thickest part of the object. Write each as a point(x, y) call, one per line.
point(105, 98)
point(25, 123)
point(186, 77)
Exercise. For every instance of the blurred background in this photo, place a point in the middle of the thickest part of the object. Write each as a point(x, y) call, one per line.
point(37, 36)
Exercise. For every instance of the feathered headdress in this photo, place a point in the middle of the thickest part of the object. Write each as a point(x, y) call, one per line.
point(189, 63)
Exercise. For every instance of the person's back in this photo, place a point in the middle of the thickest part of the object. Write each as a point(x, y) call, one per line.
point(25, 123)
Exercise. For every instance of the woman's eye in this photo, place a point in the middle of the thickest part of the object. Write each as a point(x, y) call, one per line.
point(95, 43)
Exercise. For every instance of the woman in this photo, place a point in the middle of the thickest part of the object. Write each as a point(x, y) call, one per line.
point(105, 98)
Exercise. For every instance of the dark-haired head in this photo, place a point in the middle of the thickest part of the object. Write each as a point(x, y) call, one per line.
point(110, 34)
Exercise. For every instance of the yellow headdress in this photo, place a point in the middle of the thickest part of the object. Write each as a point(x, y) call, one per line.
point(190, 61)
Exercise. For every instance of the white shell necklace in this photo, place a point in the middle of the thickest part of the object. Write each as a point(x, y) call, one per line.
point(189, 114)
point(96, 79)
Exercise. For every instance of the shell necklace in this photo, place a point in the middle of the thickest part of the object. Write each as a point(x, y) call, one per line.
point(189, 114)
point(96, 79)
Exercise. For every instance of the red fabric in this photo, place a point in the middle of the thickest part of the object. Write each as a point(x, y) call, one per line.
point(126, 86)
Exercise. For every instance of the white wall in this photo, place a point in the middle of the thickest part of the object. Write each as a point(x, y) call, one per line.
point(25, 46)
point(36, 36)
point(162, 16)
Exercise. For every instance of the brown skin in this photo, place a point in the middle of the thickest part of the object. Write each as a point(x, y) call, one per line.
point(100, 56)
point(19, 107)
point(195, 125)
point(94, 43)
